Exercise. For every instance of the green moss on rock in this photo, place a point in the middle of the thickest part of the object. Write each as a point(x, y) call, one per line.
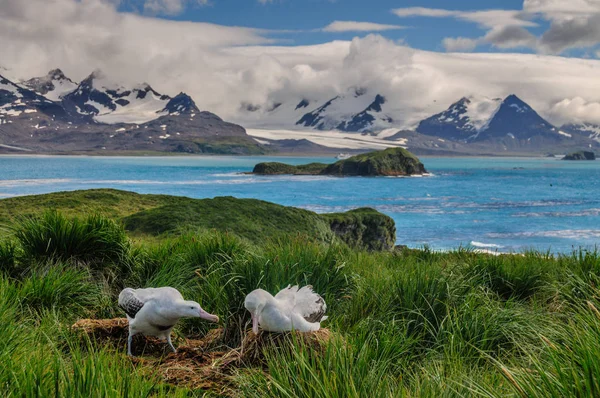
point(276, 168)
point(364, 227)
point(389, 162)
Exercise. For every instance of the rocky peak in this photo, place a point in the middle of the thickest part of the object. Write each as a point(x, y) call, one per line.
point(181, 103)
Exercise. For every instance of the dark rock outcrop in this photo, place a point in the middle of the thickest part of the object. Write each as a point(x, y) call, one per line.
point(581, 155)
point(364, 228)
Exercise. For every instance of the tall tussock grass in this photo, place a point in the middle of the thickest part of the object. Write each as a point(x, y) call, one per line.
point(70, 291)
point(8, 258)
point(94, 239)
point(413, 323)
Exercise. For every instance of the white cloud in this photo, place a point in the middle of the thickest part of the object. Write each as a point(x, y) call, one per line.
point(416, 83)
point(506, 28)
point(574, 24)
point(510, 37)
point(353, 26)
point(576, 110)
point(423, 12)
point(485, 18)
point(169, 7)
point(222, 67)
point(457, 44)
point(555, 9)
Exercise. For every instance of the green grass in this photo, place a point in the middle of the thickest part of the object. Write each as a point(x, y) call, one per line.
point(161, 216)
point(410, 323)
point(94, 239)
point(228, 146)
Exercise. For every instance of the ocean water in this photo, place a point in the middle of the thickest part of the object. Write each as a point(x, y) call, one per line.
point(499, 204)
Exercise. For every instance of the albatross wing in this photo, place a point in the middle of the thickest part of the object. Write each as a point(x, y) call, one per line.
point(132, 300)
point(129, 302)
point(303, 301)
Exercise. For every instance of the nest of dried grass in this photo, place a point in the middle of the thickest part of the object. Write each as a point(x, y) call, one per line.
point(201, 363)
point(254, 346)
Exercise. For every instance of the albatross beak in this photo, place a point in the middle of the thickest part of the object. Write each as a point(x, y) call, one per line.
point(207, 316)
point(255, 323)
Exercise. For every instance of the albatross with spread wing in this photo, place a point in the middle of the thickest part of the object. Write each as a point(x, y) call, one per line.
point(155, 311)
point(293, 308)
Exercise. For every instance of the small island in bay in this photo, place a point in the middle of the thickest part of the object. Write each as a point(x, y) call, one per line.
point(389, 162)
point(581, 155)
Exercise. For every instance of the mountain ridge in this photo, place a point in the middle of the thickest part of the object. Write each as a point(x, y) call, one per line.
point(97, 116)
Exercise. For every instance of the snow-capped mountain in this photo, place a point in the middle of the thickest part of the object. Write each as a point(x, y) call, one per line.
point(479, 119)
point(589, 130)
point(16, 101)
point(97, 115)
point(355, 111)
point(462, 120)
point(112, 103)
point(52, 86)
point(516, 119)
point(181, 104)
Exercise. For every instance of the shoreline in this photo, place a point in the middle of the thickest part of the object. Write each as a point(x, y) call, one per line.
point(275, 155)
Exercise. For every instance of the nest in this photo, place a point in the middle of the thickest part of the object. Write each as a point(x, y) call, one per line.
point(114, 332)
point(201, 363)
point(253, 348)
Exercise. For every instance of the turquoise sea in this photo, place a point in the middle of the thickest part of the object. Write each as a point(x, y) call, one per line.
point(498, 204)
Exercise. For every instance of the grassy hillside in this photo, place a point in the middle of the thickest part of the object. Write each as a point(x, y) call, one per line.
point(410, 323)
point(254, 220)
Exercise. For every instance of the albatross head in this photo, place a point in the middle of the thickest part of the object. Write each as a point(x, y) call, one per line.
point(193, 309)
point(255, 302)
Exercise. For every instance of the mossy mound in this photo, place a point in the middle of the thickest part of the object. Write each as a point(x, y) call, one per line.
point(254, 220)
point(389, 162)
point(275, 168)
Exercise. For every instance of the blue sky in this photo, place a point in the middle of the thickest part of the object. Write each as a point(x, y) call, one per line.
point(302, 19)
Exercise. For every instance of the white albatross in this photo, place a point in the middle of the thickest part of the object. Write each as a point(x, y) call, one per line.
point(293, 308)
point(155, 311)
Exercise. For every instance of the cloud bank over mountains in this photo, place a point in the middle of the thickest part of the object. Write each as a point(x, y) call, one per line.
point(223, 67)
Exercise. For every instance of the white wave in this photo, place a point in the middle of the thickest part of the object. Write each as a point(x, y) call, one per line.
point(581, 213)
point(294, 178)
point(232, 174)
point(39, 181)
point(563, 234)
point(485, 245)
point(191, 182)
